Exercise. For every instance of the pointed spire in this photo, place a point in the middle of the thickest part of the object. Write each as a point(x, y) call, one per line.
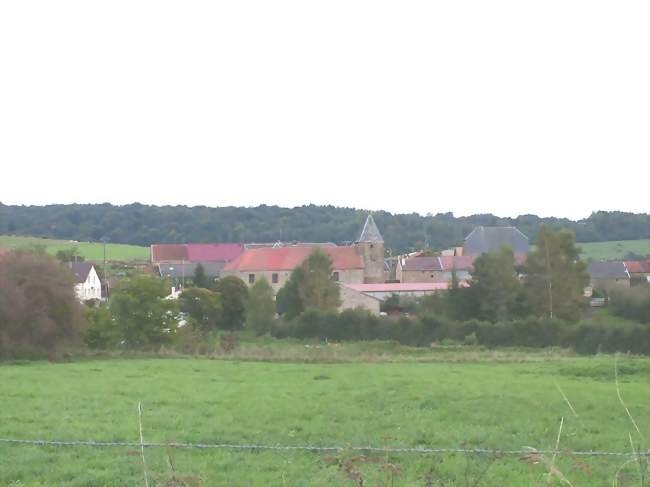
point(370, 232)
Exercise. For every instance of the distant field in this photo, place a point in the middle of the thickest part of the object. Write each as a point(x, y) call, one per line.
point(448, 404)
point(615, 249)
point(90, 251)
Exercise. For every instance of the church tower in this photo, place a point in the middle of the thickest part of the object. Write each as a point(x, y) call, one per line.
point(370, 246)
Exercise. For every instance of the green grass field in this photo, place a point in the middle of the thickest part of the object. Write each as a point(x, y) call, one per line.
point(451, 403)
point(614, 249)
point(89, 250)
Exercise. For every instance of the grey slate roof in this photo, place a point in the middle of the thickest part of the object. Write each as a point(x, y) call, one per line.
point(487, 239)
point(608, 270)
point(80, 270)
point(370, 232)
point(186, 269)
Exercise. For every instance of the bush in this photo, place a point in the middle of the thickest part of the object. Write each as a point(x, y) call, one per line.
point(632, 303)
point(39, 313)
point(586, 338)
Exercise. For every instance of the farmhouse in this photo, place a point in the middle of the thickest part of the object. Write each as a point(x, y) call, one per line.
point(487, 239)
point(434, 269)
point(362, 262)
point(639, 270)
point(88, 285)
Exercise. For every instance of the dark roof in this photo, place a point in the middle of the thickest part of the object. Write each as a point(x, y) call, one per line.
point(487, 239)
point(608, 270)
point(80, 270)
point(370, 232)
point(444, 263)
point(186, 269)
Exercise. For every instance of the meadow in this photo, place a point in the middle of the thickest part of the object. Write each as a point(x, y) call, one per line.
point(369, 394)
point(612, 250)
point(89, 250)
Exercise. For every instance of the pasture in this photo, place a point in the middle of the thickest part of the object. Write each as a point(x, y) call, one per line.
point(615, 249)
point(440, 399)
point(89, 250)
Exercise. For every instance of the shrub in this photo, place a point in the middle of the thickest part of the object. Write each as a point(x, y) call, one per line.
point(632, 303)
point(39, 314)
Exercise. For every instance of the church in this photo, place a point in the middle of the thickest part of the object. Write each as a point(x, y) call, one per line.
point(359, 263)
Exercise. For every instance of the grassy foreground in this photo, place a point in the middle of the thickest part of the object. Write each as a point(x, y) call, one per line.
point(445, 403)
point(612, 250)
point(89, 250)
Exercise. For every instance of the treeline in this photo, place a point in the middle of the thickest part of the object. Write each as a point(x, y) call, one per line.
point(143, 225)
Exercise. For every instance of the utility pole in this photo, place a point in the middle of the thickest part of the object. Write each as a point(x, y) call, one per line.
point(105, 271)
point(548, 277)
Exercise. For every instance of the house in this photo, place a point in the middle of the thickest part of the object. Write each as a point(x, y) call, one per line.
point(179, 261)
point(487, 239)
point(88, 286)
point(605, 276)
point(362, 262)
point(639, 270)
point(434, 269)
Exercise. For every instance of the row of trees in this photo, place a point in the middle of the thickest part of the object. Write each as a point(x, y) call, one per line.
point(143, 224)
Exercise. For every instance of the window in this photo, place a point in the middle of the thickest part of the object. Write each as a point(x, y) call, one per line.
point(251, 278)
point(274, 278)
point(335, 276)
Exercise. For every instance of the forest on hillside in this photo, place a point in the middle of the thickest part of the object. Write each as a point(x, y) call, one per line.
point(144, 224)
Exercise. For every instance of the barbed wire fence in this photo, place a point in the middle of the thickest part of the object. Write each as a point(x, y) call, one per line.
point(628, 456)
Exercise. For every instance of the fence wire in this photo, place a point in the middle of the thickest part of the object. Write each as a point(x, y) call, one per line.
point(316, 448)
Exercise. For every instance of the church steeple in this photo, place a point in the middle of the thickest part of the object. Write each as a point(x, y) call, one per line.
point(370, 232)
point(370, 246)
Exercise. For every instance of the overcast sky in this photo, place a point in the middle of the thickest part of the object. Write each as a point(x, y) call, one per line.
point(509, 107)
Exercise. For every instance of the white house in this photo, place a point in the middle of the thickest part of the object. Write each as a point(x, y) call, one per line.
point(88, 284)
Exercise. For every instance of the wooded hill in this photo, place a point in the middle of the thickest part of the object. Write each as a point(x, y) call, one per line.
point(143, 224)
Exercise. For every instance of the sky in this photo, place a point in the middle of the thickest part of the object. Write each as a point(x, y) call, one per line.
point(504, 107)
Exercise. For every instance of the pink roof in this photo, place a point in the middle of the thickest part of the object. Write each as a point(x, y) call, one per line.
point(288, 258)
point(201, 252)
point(214, 252)
point(399, 287)
point(168, 252)
point(457, 262)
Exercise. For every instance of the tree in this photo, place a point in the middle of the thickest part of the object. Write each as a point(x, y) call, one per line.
point(288, 302)
point(69, 255)
point(143, 317)
point(495, 284)
point(555, 278)
point(318, 290)
point(39, 314)
point(203, 308)
point(310, 287)
point(233, 293)
point(260, 307)
point(200, 279)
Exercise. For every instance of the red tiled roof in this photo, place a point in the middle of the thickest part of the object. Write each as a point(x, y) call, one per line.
point(214, 252)
point(638, 266)
point(168, 252)
point(288, 258)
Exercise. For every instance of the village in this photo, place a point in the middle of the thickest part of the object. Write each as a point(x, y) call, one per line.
point(365, 272)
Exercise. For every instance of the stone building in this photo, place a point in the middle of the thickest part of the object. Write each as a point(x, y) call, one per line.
point(362, 262)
